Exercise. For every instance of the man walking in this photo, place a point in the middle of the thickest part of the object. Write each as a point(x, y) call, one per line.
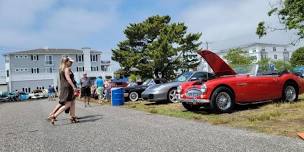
point(85, 89)
point(99, 85)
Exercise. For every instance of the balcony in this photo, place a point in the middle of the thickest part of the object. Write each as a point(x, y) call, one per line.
point(105, 63)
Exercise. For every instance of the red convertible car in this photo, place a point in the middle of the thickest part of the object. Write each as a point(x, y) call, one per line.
point(228, 88)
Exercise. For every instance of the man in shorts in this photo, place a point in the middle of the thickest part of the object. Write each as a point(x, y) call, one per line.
point(85, 89)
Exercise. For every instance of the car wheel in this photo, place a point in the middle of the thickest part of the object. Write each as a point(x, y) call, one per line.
point(133, 96)
point(172, 96)
point(290, 93)
point(191, 107)
point(222, 100)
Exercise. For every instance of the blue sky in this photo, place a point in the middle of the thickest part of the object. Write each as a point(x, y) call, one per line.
point(99, 24)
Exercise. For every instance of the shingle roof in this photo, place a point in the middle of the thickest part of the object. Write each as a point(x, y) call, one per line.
point(51, 51)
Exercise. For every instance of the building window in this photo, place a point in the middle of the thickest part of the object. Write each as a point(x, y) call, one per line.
point(263, 50)
point(274, 49)
point(264, 55)
point(35, 70)
point(286, 56)
point(21, 69)
point(49, 70)
point(275, 57)
point(34, 57)
point(285, 50)
point(94, 58)
point(7, 73)
point(80, 69)
point(49, 60)
point(79, 58)
point(94, 68)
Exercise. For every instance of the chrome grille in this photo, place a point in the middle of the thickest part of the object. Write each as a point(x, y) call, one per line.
point(193, 93)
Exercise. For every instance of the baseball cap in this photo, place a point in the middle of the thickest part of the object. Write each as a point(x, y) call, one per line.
point(70, 59)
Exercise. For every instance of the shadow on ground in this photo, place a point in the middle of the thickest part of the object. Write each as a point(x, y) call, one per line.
point(83, 119)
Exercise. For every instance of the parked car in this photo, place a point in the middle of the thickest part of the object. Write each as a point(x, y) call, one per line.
point(23, 96)
point(168, 91)
point(4, 99)
point(228, 88)
point(299, 71)
point(12, 96)
point(39, 93)
point(133, 92)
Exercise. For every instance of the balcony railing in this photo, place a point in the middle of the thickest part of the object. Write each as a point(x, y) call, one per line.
point(105, 62)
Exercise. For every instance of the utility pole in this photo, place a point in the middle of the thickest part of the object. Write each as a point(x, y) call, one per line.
point(207, 44)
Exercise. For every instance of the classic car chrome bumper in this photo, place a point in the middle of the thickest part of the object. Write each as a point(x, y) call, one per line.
point(195, 100)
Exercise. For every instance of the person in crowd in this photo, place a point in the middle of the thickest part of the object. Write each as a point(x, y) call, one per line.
point(17, 95)
point(85, 89)
point(51, 93)
point(67, 90)
point(99, 85)
point(108, 89)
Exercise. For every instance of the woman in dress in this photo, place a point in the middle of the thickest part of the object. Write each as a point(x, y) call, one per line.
point(67, 90)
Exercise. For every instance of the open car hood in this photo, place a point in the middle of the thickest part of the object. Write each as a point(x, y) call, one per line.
point(218, 66)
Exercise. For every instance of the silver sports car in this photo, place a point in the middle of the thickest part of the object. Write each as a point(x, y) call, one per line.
point(168, 91)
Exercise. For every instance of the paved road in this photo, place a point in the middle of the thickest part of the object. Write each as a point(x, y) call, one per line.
point(24, 127)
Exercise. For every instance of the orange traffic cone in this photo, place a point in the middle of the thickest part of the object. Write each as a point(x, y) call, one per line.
point(301, 135)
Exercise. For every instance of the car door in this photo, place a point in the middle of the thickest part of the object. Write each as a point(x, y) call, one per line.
point(199, 76)
point(262, 87)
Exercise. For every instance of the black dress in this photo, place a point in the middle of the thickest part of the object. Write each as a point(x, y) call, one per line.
point(66, 90)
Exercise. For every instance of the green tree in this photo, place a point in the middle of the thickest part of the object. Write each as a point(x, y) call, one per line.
point(237, 56)
point(264, 64)
point(156, 45)
point(297, 57)
point(291, 16)
point(281, 65)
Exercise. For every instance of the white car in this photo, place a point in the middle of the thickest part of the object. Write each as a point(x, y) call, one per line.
point(38, 94)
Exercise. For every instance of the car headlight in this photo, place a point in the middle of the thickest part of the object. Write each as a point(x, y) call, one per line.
point(204, 88)
point(179, 89)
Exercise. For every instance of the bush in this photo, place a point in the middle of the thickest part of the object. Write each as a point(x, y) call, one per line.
point(297, 58)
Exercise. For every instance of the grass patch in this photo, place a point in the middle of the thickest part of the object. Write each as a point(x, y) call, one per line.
point(274, 118)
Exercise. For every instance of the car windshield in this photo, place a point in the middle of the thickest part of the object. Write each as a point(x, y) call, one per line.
point(183, 77)
point(147, 82)
point(246, 69)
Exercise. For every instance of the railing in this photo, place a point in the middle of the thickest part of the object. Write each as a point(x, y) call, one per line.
point(106, 62)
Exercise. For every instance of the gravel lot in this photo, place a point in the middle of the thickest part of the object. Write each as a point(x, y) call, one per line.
point(24, 127)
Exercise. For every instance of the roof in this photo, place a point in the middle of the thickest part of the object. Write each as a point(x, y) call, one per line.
point(51, 51)
point(255, 44)
point(263, 44)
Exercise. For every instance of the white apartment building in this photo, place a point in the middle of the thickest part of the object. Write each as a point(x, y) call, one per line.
point(38, 68)
point(3, 85)
point(258, 51)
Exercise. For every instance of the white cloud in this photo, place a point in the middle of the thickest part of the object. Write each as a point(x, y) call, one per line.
point(21, 14)
point(38, 23)
point(229, 23)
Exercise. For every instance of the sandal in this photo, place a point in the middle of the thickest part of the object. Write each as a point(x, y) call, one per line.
point(53, 119)
point(50, 118)
point(74, 120)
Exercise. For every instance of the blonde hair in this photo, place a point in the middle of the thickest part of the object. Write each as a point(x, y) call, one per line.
point(63, 62)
